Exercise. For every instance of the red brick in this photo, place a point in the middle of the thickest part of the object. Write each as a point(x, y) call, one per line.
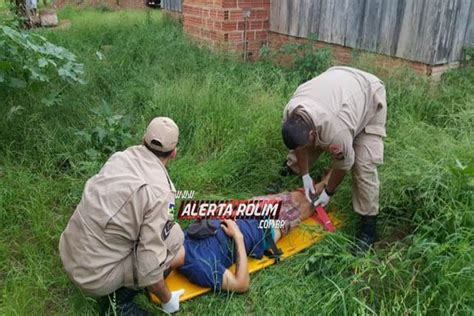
point(236, 14)
point(260, 14)
point(255, 25)
point(260, 35)
point(221, 23)
point(229, 3)
point(236, 36)
point(229, 26)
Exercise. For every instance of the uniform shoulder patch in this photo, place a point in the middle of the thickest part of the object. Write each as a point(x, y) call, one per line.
point(167, 229)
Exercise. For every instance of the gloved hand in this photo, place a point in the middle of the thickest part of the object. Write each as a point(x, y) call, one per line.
point(323, 199)
point(308, 186)
point(172, 306)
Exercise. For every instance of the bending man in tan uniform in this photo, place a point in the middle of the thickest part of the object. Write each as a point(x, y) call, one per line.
point(121, 237)
point(343, 112)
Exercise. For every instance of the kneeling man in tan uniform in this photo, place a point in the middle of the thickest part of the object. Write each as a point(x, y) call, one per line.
point(121, 237)
point(342, 112)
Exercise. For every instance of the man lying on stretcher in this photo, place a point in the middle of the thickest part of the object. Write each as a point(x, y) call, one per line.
point(206, 261)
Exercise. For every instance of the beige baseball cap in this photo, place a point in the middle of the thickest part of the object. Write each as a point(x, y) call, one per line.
point(162, 134)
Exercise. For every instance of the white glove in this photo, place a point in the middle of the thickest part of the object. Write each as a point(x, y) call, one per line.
point(308, 186)
point(323, 199)
point(172, 306)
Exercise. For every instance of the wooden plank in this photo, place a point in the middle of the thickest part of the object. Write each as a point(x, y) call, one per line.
point(410, 24)
point(371, 25)
point(398, 26)
point(305, 16)
point(425, 38)
point(339, 21)
point(172, 5)
point(388, 32)
point(284, 17)
point(460, 30)
point(275, 15)
point(293, 16)
point(441, 33)
point(469, 39)
point(355, 17)
point(325, 24)
point(315, 17)
point(446, 35)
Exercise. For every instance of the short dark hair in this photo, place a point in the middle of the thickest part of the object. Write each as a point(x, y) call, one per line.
point(158, 153)
point(295, 132)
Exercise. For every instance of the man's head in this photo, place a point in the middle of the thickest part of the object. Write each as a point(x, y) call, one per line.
point(161, 137)
point(296, 132)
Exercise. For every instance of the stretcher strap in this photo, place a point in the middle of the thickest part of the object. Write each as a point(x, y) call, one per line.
point(321, 216)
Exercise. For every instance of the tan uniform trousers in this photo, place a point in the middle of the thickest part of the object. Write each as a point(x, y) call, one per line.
point(368, 149)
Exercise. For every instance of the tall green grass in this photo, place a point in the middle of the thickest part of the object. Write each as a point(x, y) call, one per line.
point(229, 113)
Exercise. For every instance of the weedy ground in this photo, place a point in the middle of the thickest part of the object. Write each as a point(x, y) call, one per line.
point(139, 65)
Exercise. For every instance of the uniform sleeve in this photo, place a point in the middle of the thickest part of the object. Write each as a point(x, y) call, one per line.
point(345, 160)
point(151, 252)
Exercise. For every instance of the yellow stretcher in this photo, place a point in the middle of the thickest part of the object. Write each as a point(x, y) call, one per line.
point(306, 234)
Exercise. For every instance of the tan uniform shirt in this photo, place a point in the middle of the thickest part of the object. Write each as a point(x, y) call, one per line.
point(340, 103)
point(121, 233)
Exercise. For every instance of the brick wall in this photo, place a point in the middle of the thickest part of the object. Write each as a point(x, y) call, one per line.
point(237, 25)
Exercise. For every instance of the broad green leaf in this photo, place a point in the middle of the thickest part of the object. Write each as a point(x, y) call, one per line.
point(16, 83)
point(42, 62)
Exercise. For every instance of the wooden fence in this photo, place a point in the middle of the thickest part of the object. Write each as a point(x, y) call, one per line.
point(172, 5)
point(428, 31)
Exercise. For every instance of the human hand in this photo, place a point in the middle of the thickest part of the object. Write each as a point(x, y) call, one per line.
point(231, 228)
point(308, 186)
point(172, 306)
point(323, 199)
point(319, 187)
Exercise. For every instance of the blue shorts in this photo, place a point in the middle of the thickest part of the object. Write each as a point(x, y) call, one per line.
point(266, 246)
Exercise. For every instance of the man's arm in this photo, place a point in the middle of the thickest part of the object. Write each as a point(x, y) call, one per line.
point(302, 159)
point(320, 186)
point(238, 282)
point(169, 300)
point(160, 289)
point(335, 179)
point(157, 236)
point(343, 159)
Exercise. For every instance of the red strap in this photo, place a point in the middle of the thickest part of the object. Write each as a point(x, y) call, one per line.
point(321, 216)
point(324, 218)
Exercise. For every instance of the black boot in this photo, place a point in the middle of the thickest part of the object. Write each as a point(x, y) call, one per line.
point(365, 237)
point(276, 186)
point(123, 301)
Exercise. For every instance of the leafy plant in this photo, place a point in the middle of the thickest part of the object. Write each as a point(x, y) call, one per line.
point(112, 133)
point(27, 57)
point(307, 61)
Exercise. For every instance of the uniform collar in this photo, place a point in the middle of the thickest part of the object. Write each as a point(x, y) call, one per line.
point(160, 163)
